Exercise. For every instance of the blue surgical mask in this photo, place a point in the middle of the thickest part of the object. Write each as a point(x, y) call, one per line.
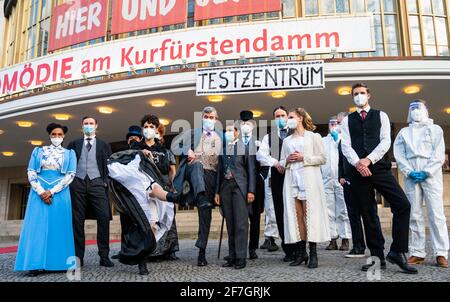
point(88, 129)
point(208, 124)
point(281, 123)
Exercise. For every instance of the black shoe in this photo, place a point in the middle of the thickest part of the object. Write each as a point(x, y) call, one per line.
point(172, 257)
point(173, 197)
point(273, 247)
point(354, 253)
point(116, 256)
point(265, 245)
point(366, 267)
point(240, 263)
point(106, 262)
point(201, 260)
point(289, 258)
point(301, 256)
point(143, 271)
point(401, 260)
point(230, 263)
point(252, 254)
point(313, 261)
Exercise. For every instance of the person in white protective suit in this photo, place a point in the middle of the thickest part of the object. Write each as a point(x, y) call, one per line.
point(334, 192)
point(420, 153)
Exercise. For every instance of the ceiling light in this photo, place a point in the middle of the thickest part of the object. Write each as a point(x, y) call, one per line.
point(8, 153)
point(105, 110)
point(447, 110)
point(62, 117)
point(158, 103)
point(24, 124)
point(257, 113)
point(36, 143)
point(352, 109)
point(164, 121)
point(345, 91)
point(215, 98)
point(412, 89)
point(1, 131)
point(278, 94)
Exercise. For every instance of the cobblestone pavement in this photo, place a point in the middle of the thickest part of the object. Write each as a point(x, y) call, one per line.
point(333, 266)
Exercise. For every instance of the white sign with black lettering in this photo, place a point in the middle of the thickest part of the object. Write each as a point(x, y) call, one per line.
point(306, 75)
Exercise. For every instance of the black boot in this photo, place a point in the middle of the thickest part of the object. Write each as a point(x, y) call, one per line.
point(273, 247)
point(201, 260)
point(173, 197)
point(301, 255)
point(313, 262)
point(143, 271)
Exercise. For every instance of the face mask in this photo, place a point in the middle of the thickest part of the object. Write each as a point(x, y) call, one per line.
point(292, 123)
point(418, 115)
point(246, 130)
point(360, 100)
point(338, 129)
point(56, 141)
point(157, 136)
point(88, 129)
point(281, 123)
point(149, 133)
point(229, 136)
point(208, 124)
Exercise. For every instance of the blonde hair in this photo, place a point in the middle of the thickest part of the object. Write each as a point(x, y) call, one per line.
point(307, 120)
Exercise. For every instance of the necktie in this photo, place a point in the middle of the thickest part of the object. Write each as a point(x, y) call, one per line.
point(363, 115)
point(89, 145)
point(246, 139)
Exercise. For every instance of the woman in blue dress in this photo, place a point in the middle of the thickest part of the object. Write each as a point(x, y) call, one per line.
point(46, 241)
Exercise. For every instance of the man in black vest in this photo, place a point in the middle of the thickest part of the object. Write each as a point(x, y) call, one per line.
point(89, 190)
point(268, 156)
point(366, 138)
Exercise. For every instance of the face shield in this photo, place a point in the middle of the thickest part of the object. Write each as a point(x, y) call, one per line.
point(417, 113)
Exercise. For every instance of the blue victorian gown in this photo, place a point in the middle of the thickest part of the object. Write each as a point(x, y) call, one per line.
point(46, 240)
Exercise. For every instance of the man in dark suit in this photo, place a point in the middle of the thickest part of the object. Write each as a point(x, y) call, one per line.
point(199, 150)
point(89, 190)
point(236, 185)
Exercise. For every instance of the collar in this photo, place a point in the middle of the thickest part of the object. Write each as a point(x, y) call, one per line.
point(91, 137)
point(367, 109)
point(51, 147)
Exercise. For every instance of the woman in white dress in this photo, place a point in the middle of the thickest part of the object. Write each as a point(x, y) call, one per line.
point(305, 211)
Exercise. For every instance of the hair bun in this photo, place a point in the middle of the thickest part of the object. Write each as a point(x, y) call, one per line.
point(53, 126)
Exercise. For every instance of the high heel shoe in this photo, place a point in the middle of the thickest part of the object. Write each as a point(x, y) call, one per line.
point(301, 255)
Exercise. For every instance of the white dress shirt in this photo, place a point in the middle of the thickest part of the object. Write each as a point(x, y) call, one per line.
point(382, 148)
point(92, 140)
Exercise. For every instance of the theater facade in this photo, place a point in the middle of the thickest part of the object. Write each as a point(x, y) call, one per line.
point(120, 59)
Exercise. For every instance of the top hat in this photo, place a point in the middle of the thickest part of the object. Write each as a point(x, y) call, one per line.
point(134, 131)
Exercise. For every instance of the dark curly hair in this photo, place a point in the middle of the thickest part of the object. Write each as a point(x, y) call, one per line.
point(53, 126)
point(150, 119)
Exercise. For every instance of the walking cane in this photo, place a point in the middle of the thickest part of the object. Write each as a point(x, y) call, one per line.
point(221, 235)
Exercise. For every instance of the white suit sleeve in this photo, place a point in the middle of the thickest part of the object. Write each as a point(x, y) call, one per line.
point(263, 154)
point(385, 140)
point(63, 183)
point(437, 158)
point(319, 157)
point(34, 182)
point(346, 144)
point(400, 155)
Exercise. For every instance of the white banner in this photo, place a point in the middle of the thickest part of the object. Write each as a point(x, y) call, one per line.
point(307, 75)
point(222, 42)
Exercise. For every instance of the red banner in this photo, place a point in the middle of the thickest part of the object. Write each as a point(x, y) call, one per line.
point(78, 21)
point(132, 15)
point(209, 9)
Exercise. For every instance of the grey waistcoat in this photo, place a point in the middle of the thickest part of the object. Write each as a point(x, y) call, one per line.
point(87, 164)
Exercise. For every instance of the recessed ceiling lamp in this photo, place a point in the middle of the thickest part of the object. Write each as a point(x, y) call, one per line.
point(8, 153)
point(164, 121)
point(36, 143)
point(257, 113)
point(24, 124)
point(352, 109)
point(158, 103)
point(345, 91)
point(278, 94)
point(413, 89)
point(215, 98)
point(61, 116)
point(105, 110)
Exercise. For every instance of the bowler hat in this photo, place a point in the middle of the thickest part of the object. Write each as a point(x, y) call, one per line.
point(246, 115)
point(134, 131)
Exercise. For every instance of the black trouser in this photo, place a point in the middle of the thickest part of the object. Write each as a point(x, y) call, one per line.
point(384, 182)
point(255, 228)
point(354, 215)
point(276, 183)
point(92, 193)
point(235, 210)
point(205, 214)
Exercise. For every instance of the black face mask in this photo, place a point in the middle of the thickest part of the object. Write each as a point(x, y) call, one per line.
point(134, 144)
